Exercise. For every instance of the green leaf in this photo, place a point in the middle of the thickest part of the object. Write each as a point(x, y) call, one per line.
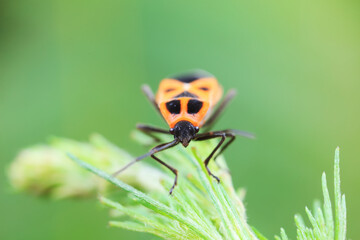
point(340, 205)
point(200, 207)
point(323, 225)
point(144, 199)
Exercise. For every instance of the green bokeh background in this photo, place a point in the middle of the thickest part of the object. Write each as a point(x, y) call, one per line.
point(71, 68)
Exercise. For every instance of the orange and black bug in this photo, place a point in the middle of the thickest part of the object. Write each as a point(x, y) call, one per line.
point(187, 102)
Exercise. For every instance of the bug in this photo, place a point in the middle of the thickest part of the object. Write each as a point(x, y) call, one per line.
point(187, 103)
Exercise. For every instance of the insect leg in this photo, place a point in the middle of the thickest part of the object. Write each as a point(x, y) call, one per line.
point(212, 119)
point(207, 136)
point(232, 138)
point(149, 130)
point(232, 133)
point(154, 150)
point(171, 169)
point(150, 96)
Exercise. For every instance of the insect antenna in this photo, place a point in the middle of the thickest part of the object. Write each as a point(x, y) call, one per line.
point(124, 168)
point(156, 149)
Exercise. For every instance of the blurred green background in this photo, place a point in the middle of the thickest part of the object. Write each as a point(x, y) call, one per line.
point(71, 68)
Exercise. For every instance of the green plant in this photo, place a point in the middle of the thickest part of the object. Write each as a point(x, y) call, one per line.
point(199, 208)
point(323, 225)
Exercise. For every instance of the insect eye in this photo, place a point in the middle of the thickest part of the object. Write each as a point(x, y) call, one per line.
point(194, 106)
point(171, 130)
point(173, 106)
point(197, 129)
point(204, 88)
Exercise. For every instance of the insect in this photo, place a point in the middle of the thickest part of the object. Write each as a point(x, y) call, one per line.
point(187, 103)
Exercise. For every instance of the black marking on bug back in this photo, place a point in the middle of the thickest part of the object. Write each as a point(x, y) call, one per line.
point(191, 76)
point(186, 94)
point(169, 90)
point(204, 89)
point(173, 106)
point(194, 106)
